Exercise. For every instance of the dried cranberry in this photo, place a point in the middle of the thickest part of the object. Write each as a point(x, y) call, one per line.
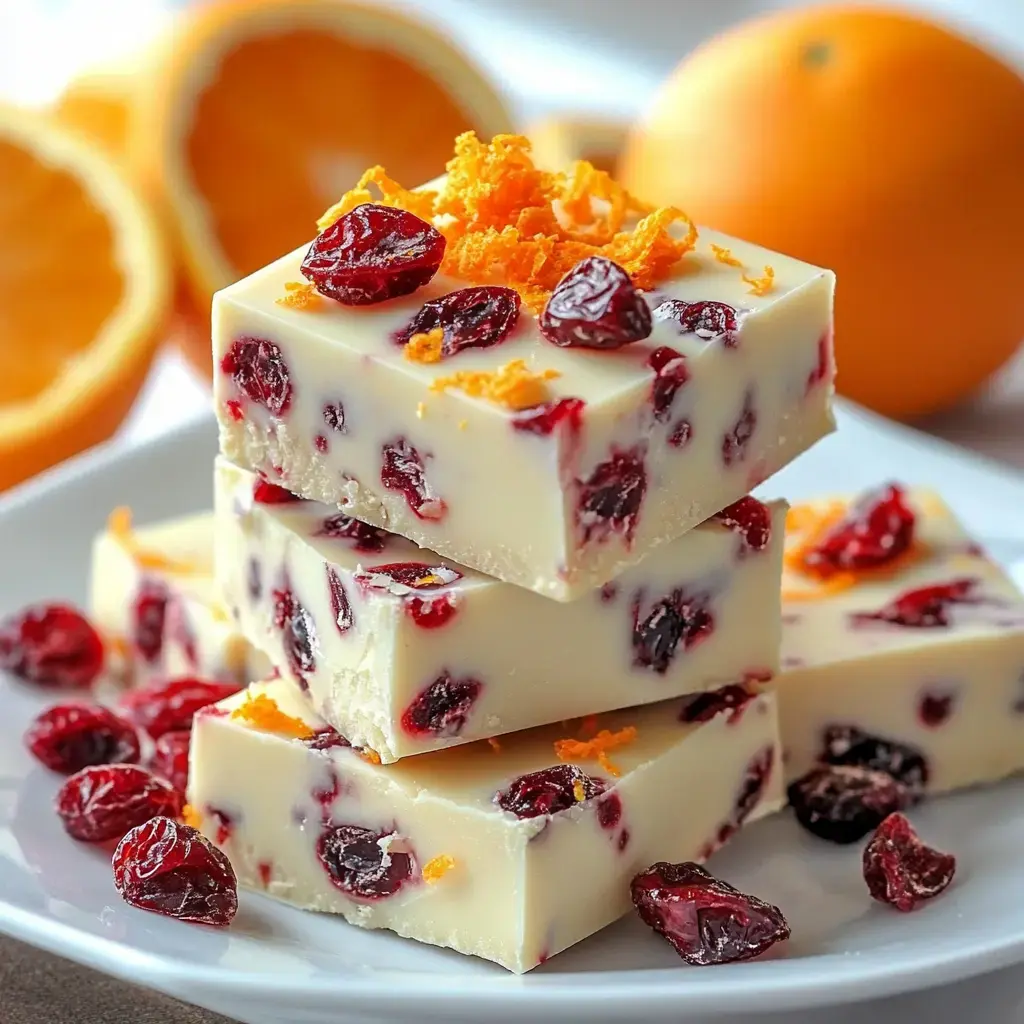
point(680, 434)
point(69, 737)
point(170, 758)
point(396, 576)
point(548, 791)
point(362, 536)
point(702, 707)
point(149, 615)
point(609, 811)
point(735, 442)
point(51, 645)
point(166, 707)
point(334, 417)
point(843, 803)
point(924, 607)
point(595, 306)
point(299, 633)
point(751, 519)
point(546, 418)
point(266, 493)
point(670, 374)
point(402, 470)
point(470, 318)
point(341, 607)
point(901, 870)
point(103, 802)
point(431, 612)
point(934, 709)
point(174, 870)
point(708, 320)
point(848, 745)
point(673, 620)
point(373, 253)
point(326, 739)
point(441, 709)
point(705, 920)
point(610, 498)
point(258, 368)
point(877, 528)
point(364, 864)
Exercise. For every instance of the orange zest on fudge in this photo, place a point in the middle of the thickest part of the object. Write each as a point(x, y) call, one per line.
point(434, 870)
point(262, 712)
point(119, 523)
point(724, 255)
point(596, 749)
point(514, 385)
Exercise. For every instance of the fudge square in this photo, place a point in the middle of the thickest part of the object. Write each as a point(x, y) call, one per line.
point(547, 430)
point(404, 652)
point(512, 852)
point(903, 644)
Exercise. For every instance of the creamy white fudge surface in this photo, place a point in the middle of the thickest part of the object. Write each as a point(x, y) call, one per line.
point(672, 429)
point(928, 654)
point(155, 602)
point(453, 847)
point(404, 652)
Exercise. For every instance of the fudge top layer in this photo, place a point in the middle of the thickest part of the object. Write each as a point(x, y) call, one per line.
point(889, 570)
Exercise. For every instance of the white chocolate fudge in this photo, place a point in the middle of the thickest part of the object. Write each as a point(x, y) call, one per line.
point(621, 451)
point(919, 658)
point(153, 597)
point(455, 847)
point(404, 652)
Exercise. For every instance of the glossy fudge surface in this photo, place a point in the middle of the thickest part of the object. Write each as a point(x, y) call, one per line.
point(404, 651)
point(425, 847)
point(673, 428)
point(927, 653)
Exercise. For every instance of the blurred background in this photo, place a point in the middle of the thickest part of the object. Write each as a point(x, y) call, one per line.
point(151, 151)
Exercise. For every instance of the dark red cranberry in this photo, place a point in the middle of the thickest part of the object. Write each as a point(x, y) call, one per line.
point(934, 709)
point(823, 367)
point(924, 607)
point(170, 758)
point(149, 615)
point(708, 320)
point(372, 254)
point(402, 470)
point(595, 306)
point(361, 536)
point(610, 498)
point(673, 621)
point(69, 737)
point(609, 811)
point(670, 374)
point(341, 606)
point(363, 864)
point(843, 803)
point(548, 791)
point(258, 368)
point(298, 633)
point(478, 317)
point(702, 707)
point(608, 593)
point(735, 442)
point(705, 920)
point(266, 493)
point(51, 645)
point(326, 739)
point(254, 582)
point(878, 528)
point(431, 612)
point(414, 575)
point(680, 434)
point(334, 417)
point(321, 444)
point(545, 419)
point(848, 745)
point(901, 870)
point(441, 709)
point(166, 707)
point(174, 870)
point(751, 519)
point(755, 780)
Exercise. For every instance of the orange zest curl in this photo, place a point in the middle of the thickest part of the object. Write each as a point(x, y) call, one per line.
point(513, 386)
point(724, 255)
point(119, 523)
point(597, 748)
point(579, 791)
point(391, 194)
point(425, 348)
point(190, 816)
point(435, 869)
point(262, 712)
point(761, 285)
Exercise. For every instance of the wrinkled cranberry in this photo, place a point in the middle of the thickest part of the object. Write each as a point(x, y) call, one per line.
point(334, 417)
point(149, 615)
point(166, 707)
point(299, 633)
point(702, 707)
point(170, 758)
point(414, 575)
point(476, 317)
point(670, 374)
point(681, 434)
point(431, 612)
point(673, 620)
point(876, 529)
point(610, 498)
point(69, 737)
point(103, 802)
point(609, 811)
point(548, 791)
point(258, 368)
point(51, 645)
point(848, 745)
point(705, 920)
point(373, 253)
point(901, 870)
point(362, 536)
point(363, 864)
point(735, 442)
point(934, 709)
point(341, 607)
point(266, 493)
point(441, 709)
point(595, 306)
point(548, 417)
point(326, 739)
point(402, 470)
point(708, 320)
point(843, 803)
point(174, 870)
point(923, 607)
point(751, 519)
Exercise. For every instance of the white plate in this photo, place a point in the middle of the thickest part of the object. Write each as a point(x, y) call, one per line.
point(276, 964)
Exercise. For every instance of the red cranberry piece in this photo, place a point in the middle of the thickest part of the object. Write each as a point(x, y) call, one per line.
point(373, 253)
point(414, 575)
point(51, 645)
point(702, 707)
point(608, 593)
point(670, 374)
point(364, 864)
point(258, 368)
point(595, 306)
point(673, 620)
point(170, 758)
point(708, 320)
point(681, 434)
point(363, 537)
point(901, 870)
point(326, 739)
point(751, 519)
point(442, 708)
point(299, 633)
point(103, 802)
point(735, 442)
point(609, 811)
point(935, 708)
point(431, 612)
point(843, 803)
point(848, 745)
point(610, 498)
point(234, 408)
point(470, 318)
point(705, 920)
point(823, 367)
point(174, 870)
point(266, 493)
point(334, 417)
point(877, 529)
point(924, 607)
point(225, 824)
point(543, 420)
point(166, 707)
point(548, 791)
point(341, 607)
point(321, 444)
point(69, 737)
point(149, 615)
point(402, 470)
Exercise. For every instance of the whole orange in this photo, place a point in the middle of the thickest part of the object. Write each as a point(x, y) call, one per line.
point(879, 145)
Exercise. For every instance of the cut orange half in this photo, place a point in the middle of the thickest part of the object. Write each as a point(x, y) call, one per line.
point(97, 104)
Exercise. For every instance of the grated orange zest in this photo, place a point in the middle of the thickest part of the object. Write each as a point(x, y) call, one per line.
point(425, 347)
point(369, 755)
point(420, 203)
point(190, 816)
point(596, 748)
point(262, 712)
point(579, 792)
point(514, 385)
point(436, 868)
point(119, 523)
point(724, 255)
point(299, 295)
point(761, 285)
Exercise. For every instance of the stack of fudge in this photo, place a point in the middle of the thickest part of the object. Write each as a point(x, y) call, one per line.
point(497, 658)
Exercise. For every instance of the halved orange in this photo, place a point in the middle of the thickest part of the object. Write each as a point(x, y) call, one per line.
point(84, 289)
point(97, 104)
